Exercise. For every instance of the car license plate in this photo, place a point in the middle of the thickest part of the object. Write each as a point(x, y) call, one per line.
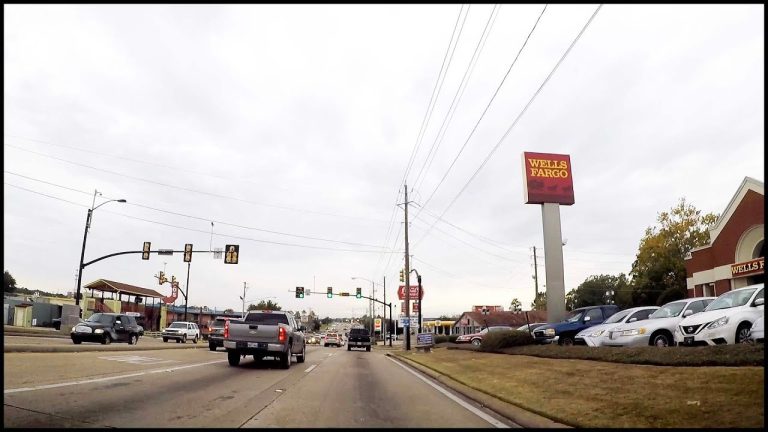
point(688, 340)
point(257, 345)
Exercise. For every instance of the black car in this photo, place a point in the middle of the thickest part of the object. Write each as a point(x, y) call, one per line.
point(107, 328)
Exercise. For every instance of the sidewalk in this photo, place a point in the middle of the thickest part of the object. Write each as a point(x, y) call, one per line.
point(9, 330)
point(518, 415)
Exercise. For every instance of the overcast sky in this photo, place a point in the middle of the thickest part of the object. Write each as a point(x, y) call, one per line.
point(291, 128)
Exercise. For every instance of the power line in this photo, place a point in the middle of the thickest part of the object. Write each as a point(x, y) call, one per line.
point(557, 65)
point(495, 93)
point(191, 190)
point(459, 94)
point(204, 219)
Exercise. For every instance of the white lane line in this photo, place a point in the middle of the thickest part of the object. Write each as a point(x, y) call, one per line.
point(469, 407)
point(309, 369)
point(71, 383)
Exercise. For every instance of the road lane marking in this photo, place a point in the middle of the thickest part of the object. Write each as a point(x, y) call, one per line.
point(469, 407)
point(309, 369)
point(71, 383)
point(134, 359)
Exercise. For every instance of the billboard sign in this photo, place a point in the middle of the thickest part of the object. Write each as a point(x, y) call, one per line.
point(414, 294)
point(547, 178)
point(377, 324)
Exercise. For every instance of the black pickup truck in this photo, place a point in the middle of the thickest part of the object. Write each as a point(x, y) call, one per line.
point(359, 338)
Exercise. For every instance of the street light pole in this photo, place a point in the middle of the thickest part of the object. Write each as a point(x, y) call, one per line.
point(82, 251)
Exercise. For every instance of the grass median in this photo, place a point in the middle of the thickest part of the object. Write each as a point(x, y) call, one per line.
point(585, 393)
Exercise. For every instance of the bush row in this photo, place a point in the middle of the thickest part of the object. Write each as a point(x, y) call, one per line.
point(496, 341)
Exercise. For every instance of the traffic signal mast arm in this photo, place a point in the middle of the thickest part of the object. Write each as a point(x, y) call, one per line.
point(136, 252)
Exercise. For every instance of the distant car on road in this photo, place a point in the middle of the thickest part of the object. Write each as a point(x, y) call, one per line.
point(181, 331)
point(332, 339)
point(216, 333)
point(359, 338)
point(106, 328)
point(594, 336)
point(727, 320)
point(658, 329)
point(477, 338)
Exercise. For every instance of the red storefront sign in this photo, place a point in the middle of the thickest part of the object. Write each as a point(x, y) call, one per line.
point(547, 178)
point(414, 292)
point(755, 266)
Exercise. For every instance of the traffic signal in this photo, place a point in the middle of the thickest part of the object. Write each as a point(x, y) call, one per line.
point(188, 252)
point(402, 275)
point(145, 251)
point(359, 293)
point(299, 292)
point(330, 292)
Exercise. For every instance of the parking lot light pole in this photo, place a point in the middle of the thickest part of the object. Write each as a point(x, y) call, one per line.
point(82, 251)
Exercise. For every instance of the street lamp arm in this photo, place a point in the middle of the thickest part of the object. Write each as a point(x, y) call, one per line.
point(115, 200)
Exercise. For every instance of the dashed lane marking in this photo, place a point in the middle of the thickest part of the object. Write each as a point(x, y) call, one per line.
point(309, 369)
point(134, 359)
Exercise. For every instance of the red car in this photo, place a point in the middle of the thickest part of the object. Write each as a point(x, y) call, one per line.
point(477, 338)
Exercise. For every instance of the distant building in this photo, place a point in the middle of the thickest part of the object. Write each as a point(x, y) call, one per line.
point(735, 255)
point(474, 321)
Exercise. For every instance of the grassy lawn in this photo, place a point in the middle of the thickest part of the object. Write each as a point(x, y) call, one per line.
point(587, 393)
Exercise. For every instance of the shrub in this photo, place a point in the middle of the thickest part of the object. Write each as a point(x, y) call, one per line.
point(441, 339)
point(495, 341)
point(452, 338)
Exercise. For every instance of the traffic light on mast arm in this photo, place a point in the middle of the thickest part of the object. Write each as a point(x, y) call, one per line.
point(330, 292)
point(402, 275)
point(299, 292)
point(359, 293)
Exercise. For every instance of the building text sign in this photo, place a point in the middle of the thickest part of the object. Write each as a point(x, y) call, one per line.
point(547, 178)
point(755, 266)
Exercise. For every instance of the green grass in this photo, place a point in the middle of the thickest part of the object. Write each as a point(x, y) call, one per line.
point(602, 394)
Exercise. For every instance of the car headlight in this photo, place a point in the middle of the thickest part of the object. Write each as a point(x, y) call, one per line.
point(633, 332)
point(549, 332)
point(73, 329)
point(718, 323)
point(99, 331)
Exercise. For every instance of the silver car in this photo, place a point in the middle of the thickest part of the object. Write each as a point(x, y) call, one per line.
point(659, 328)
point(595, 335)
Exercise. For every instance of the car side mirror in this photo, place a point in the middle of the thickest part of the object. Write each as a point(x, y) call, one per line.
point(760, 301)
point(687, 313)
point(632, 320)
point(587, 319)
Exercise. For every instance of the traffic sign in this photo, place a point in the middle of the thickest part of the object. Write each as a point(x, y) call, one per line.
point(165, 252)
point(414, 292)
point(344, 294)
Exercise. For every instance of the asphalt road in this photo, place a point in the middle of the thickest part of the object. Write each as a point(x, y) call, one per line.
point(198, 388)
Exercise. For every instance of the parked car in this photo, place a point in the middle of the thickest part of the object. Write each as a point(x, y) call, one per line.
point(477, 338)
point(216, 333)
point(181, 331)
point(265, 333)
point(530, 327)
point(727, 320)
point(658, 329)
point(106, 328)
point(594, 336)
point(564, 332)
point(757, 332)
point(332, 339)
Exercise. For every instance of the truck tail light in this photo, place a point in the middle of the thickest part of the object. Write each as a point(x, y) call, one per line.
point(226, 329)
point(281, 335)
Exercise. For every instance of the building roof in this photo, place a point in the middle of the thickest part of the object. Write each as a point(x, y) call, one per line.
point(504, 318)
point(118, 287)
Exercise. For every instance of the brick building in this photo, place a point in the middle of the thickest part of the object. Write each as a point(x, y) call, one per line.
point(735, 255)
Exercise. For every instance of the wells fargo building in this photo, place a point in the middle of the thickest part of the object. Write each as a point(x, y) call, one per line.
point(735, 255)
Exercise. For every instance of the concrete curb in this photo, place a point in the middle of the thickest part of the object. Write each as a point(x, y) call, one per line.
point(17, 348)
point(37, 334)
point(519, 415)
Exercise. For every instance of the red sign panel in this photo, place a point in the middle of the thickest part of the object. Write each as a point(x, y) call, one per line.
point(755, 266)
point(414, 294)
point(547, 178)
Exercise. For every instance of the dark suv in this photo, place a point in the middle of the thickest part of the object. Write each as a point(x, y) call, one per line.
point(575, 321)
point(216, 335)
point(106, 328)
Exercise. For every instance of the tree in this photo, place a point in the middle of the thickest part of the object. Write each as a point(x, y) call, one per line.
point(570, 300)
point(515, 305)
point(540, 302)
point(228, 311)
point(262, 305)
point(9, 283)
point(297, 316)
point(659, 266)
point(595, 290)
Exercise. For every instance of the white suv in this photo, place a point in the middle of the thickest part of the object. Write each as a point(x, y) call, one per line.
point(727, 320)
point(181, 331)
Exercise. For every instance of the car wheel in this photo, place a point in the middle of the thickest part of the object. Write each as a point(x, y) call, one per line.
point(660, 340)
point(285, 359)
point(325, 345)
point(476, 342)
point(233, 357)
point(742, 333)
point(76, 341)
point(566, 340)
point(349, 348)
point(184, 339)
point(165, 339)
point(212, 346)
point(133, 339)
point(300, 358)
point(194, 340)
point(107, 340)
point(368, 349)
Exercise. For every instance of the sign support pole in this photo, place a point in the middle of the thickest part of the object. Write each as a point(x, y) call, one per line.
point(553, 256)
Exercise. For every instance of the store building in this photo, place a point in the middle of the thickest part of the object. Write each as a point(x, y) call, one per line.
point(735, 255)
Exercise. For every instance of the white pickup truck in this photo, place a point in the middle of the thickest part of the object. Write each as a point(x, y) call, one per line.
point(265, 333)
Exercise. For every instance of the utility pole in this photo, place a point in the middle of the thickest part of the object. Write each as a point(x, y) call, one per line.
point(186, 294)
point(407, 279)
point(384, 322)
point(535, 274)
point(243, 298)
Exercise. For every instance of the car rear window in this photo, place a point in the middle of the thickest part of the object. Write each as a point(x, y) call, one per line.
point(358, 332)
point(266, 318)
